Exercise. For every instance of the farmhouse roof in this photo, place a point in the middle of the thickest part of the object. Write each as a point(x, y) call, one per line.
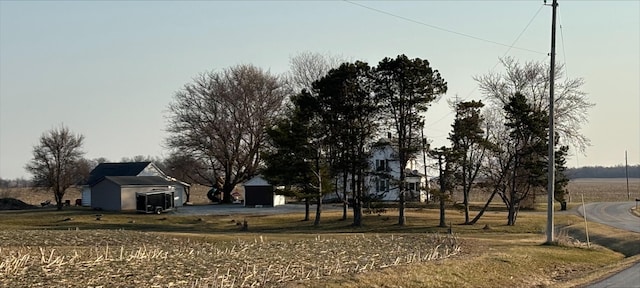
point(115, 169)
point(138, 180)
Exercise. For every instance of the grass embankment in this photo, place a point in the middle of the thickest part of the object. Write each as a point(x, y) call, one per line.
point(193, 251)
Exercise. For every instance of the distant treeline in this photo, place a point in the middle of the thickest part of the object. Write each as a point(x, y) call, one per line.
point(603, 172)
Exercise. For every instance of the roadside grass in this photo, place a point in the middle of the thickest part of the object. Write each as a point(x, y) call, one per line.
point(494, 262)
point(624, 242)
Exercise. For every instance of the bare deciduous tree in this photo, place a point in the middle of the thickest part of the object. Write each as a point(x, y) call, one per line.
point(308, 67)
point(55, 163)
point(221, 117)
point(531, 79)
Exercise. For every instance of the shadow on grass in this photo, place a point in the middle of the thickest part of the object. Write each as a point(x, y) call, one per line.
point(624, 242)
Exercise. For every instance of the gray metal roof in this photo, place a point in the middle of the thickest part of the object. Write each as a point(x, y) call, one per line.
point(115, 169)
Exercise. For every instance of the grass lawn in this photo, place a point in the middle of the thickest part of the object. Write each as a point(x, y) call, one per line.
point(211, 251)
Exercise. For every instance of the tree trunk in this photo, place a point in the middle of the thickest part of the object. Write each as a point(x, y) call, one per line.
point(486, 205)
point(345, 207)
point(465, 202)
point(357, 201)
point(307, 203)
point(226, 193)
point(318, 210)
point(401, 217)
point(442, 194)
point(345, 198)
point(59, 203)
point(511, 217)
point(442, 210)
point(187, 191)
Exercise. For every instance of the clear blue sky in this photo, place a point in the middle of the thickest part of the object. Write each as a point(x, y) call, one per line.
point(109, 69)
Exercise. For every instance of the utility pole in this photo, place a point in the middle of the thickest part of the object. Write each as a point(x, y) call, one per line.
point(551, 164)
point(626, 174)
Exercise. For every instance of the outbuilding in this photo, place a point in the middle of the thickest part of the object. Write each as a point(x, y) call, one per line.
point(258, 192)
point(118, 193)
point(137, 169)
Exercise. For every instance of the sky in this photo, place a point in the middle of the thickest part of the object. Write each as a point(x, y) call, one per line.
point(109, 69)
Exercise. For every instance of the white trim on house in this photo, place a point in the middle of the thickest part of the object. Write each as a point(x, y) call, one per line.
point(384, 174)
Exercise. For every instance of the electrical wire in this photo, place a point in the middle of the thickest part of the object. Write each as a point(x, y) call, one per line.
point(512, 46)
point(564, 54)
point(442, 29)
point(509, 47)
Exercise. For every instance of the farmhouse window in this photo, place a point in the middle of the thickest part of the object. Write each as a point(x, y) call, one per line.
point(382, 185)
point(381, 165)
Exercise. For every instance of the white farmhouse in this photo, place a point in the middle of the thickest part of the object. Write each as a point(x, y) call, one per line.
point(384, 177)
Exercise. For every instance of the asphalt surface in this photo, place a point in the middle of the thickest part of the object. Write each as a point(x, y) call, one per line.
point(615, 214)
point(231, 209)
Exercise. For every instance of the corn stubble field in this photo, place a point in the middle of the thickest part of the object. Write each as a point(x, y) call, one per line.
point(136, 259)
point(57, 250)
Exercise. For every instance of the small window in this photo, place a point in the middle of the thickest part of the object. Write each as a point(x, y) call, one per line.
point(381, 165)
point(382, 185)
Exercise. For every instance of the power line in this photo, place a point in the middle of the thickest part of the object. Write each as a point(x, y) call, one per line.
point(564, 54)
point(512, 46)
point(442, 29)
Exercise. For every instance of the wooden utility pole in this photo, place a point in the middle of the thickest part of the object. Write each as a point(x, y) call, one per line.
point(551, 164)
point(626, 174)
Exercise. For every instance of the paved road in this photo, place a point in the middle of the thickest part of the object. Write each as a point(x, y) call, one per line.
point(231, 209)
point(615, 214)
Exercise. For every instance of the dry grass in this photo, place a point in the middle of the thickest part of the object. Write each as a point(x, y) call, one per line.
point(603, 190)
point(199, 195)
point(36, 196)
point(593, 190)
point(495, 261)
point(280, 250)
point(119, 258)
point(70, 248)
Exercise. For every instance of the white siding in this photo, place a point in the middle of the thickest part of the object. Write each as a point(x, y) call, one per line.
point(151, 170)
point(386, 156)
point(278, 200)
point(86, 196)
